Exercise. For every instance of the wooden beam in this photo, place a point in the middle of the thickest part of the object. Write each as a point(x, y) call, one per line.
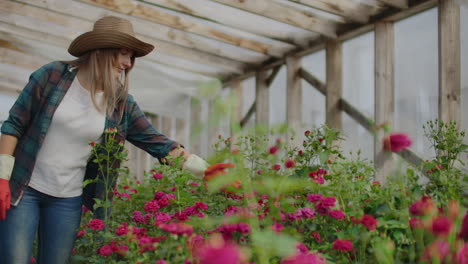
point(144, 11)
point(74, 9)
point(21, 59)
point(71, 27)
point(230, 17)
point(286, 14)
point(449, 61)
point(346, 33)
point(402, 4)
point(356, 115)
point(314, 81)
point(334, 74)
point(351, 10)
point(262, 99)
point(294, 97)
point(384, 94)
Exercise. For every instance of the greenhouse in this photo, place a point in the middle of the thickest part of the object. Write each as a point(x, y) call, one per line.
point(324, 131)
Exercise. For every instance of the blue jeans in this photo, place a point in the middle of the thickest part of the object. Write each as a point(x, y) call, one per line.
point(55, 220)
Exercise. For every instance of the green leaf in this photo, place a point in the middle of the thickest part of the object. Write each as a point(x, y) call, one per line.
point(279, 244)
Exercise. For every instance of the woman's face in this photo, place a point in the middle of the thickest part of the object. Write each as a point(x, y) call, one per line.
point(124, 61)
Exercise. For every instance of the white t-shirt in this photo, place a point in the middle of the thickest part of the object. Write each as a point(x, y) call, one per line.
point(61, 161)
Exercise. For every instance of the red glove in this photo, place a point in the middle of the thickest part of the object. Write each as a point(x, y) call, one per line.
point(4, 198)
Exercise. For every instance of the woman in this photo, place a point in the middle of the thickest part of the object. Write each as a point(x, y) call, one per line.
point(44, 151)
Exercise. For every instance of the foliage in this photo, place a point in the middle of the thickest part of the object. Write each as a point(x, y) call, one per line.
point(295, 204)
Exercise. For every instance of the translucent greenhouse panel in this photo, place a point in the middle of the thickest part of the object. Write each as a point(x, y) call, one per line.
point(358, 73)
point(357, 140)
point(464, 75)
point(313, 102)
point(278, 98)
point(416, 77)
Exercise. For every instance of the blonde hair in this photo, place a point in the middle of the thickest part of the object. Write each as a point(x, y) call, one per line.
point(100, 68)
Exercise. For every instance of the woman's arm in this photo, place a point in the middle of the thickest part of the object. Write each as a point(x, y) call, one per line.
point(8, 144)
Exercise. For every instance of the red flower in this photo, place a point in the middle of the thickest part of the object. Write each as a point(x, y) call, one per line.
point(307, 132)
point(105, 250)
point(422, 207)
point(220, 169)
point(152, 206)
point(158, 175)
point(464, 228)
point(342, 245)
point(96, 224)
point(121, 230)
point(276, 167)
point(277, 227)
point(273, 150)
point(442, 226)
point(337, 214)
point(81, 233)
point(289, 163)
point(370, 222)
point(397, 142)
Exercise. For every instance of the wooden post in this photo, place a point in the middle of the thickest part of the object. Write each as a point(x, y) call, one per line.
point(181, 131)
point(449, 61)
point(237, 110)
point(195, 122)
point(262, 112)
point(334, 84)
point(166, 126)
point(384, 94)
point(294, 97)
point(213, 127)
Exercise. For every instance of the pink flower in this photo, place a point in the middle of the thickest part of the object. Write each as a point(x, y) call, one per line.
point(276, 167)
point(273, 150)
point(177, 228)
point(81, 233)
point(462, 255)
point(32, 260)
point(201, 205)
point(313, 198)
point(138, 217)
point(397, 142)
point(416, 223)
point(342, 245)
point(301, 248)
point(161, 217)
point(218, 251)
point(337, 214)
point(96, 224)
point(328, 201)
point(464, 228)
point(439, 250)
point(152, 206)
point(442, 226)
point(289, 163)
point(161, 261)
point(277, 227)
point(316, 236)
point(370, 222)
point(157, 176)
point(422, 207)
point(105, 250)
point(304, 258)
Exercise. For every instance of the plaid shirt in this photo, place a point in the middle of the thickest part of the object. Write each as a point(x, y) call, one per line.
point(31, 115)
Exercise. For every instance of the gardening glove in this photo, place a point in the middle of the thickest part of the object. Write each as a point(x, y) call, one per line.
point(196, 165)
point(6, 167)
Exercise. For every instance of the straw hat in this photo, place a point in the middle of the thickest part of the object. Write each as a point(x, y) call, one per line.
point(109, 32)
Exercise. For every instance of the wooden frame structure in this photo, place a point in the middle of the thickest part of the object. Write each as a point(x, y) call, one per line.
point(231, 41)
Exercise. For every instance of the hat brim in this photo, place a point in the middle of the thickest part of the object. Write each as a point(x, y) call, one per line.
point(108, 39)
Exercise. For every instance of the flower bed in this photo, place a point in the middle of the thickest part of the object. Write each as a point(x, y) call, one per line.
point(270, 203)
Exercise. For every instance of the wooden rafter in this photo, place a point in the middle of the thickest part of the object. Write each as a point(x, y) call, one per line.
point(402, 4)
point(137, 9)
point(214, 11)
point(286, 14)
point(350, 10)
point(74, 9)
point(29, 16)
point(346, 33)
